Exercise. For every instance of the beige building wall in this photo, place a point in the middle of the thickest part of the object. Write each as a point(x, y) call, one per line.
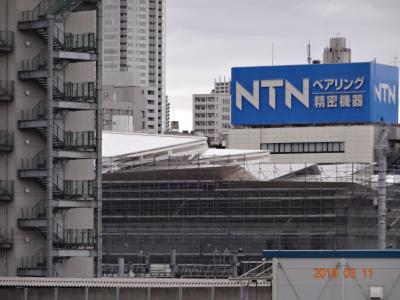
point(359, 142)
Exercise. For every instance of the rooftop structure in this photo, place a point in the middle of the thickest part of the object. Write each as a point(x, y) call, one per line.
point(337, 52)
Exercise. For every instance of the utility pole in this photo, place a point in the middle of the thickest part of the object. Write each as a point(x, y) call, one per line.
point(382, 171)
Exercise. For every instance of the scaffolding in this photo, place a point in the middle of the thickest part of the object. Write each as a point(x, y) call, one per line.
point(216, 216)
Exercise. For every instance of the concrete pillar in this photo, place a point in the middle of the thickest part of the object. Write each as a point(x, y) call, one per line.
point(121, 267)
point(117, 293)
point(24, 295)
point(86, 293)
point(56, 293)
point(173, 262)
point(180, 293)
point(234, 264)
point(212, 293)
point(148, 295)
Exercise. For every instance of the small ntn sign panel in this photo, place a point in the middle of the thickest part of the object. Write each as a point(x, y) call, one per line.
point(315, 94)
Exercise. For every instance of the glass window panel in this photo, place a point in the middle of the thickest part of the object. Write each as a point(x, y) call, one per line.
point(281, 148)
point(341, 146)
point(287, 148)
point(324, 147)
point(336, 147)
point(318, 147)
point(330, 147)
point(295, 147)
point(311, 147)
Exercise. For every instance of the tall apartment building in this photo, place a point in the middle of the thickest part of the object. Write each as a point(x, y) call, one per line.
point(50, 137)
point(134, 41)
point(212, 113)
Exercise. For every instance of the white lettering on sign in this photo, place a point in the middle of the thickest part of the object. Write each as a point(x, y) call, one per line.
point(290, 92)
point(340, 84)
point(384, 93)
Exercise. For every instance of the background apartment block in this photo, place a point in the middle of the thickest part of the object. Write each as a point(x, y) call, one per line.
point(124, 103)
point(50, 125)
point(134, 41)
point(212, 113)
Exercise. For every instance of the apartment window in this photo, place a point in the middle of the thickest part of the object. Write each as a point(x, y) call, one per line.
point(311, 147)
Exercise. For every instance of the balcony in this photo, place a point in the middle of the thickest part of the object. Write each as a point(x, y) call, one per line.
point(6, 91)
point(35, 219)
point(34, 266)
point(84, 42)
point(6, 190)
point(34, 168)
point(6, 41)
point(6, 141)
point(6, 239)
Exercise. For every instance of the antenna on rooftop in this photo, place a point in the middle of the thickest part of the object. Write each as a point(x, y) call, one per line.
point(309, 53)
point(396, 60)
point(272, 54)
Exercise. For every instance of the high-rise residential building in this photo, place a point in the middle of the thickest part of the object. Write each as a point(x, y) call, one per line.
point(50, 138)
point(134, 41)
point(337, 52)
point(167, 114)
point(212, 113)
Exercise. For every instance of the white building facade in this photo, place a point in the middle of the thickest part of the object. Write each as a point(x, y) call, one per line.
point(314, 144)
point(212, 113)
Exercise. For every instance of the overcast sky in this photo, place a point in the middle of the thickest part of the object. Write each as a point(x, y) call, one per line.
point(205, 38)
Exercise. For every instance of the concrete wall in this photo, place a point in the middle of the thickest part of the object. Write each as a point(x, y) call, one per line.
point(199, 293)
point(359, 142)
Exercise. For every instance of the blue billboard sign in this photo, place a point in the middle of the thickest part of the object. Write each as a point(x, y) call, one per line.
point(315, 94)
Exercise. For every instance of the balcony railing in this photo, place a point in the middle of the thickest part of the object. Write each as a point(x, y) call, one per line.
point(38, 112)
point(6, 41)
point(37, 211)
point(38, 260)
point(82, 238)
point(84, 42)
point(80, 140)
point(39, 161)
point(85, 90)
point(6, 141)
point(6, 90)
point(6, 238)
point(79, 188)
point(6, 190)
point(38, 63)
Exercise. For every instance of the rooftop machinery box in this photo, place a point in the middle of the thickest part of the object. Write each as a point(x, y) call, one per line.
point(315, 94)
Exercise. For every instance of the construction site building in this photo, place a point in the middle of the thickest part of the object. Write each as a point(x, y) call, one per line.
point(210, 212)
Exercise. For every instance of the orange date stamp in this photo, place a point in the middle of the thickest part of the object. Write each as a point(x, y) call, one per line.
point(347, 273)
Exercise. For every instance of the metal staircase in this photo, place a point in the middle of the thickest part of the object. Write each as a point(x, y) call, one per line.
point(58, 7)
point(61, 194)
